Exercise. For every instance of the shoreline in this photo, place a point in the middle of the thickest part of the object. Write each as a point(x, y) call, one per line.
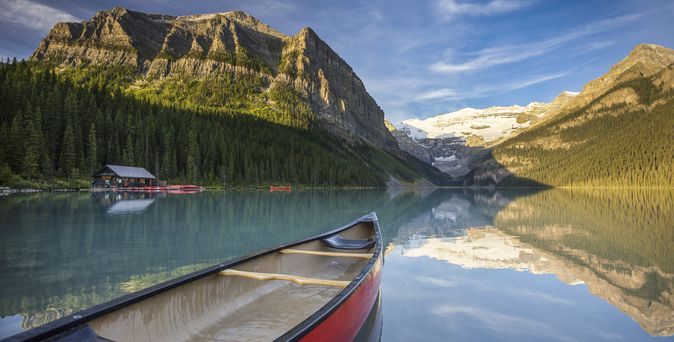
point(7, 190)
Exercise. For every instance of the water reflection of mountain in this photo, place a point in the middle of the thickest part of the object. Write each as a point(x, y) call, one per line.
point(619, 243)
point(449, 213)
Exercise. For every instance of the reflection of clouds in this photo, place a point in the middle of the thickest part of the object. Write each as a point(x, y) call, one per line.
point(540, 296)
point(490, 248)
point(448, 283)
point(507, 324)
point(418, 291)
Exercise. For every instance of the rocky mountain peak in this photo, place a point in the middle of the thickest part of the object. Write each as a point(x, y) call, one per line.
point(200, 46)
point(239, 17)
point(644, 60)
point(653, 54)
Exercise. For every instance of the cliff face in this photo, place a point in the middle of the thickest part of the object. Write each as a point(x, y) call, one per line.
point(409, 145)
point(164, 47)
point(334, 90)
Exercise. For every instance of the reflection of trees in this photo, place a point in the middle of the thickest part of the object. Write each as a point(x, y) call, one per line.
point(632, 226)
point(623, 237)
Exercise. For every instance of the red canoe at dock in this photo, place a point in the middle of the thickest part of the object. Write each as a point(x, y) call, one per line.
point(323, 288)
point(280, 188)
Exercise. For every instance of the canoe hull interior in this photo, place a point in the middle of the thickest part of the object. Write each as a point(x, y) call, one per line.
point(208, 305)
point(346, 322)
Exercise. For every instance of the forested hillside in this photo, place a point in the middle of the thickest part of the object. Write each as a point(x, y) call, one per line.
point(617, 132)
point(621, 140)
point(62, 125)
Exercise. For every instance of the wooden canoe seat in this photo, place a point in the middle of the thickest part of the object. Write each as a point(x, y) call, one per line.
point(339, 242)
point(333, 254)
point(299, 280)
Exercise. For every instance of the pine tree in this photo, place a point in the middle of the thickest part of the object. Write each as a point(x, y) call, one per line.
point(92, 150)
point(192, 162)
point(15, 148)
point(32, 151)
point(67, 161)
point(127, 153)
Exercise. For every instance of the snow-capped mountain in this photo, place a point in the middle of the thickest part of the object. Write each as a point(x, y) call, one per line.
point(485, 125)
point(455, 142)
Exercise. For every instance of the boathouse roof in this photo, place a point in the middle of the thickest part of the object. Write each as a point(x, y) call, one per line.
point(126, 171)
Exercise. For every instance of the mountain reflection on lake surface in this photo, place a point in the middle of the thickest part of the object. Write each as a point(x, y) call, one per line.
point(460, 264)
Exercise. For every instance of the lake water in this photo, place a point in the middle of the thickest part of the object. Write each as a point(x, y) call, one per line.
point(459, 264)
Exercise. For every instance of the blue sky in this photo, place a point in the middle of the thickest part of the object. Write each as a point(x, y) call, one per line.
point(421, 58)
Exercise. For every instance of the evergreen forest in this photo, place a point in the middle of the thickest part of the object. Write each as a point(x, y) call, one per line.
point(618, 146)
point(60, 125)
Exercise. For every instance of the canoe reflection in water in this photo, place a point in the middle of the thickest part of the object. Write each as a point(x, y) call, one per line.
point(324, 288)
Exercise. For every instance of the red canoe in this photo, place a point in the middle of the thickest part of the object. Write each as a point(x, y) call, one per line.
point(280, 188)
point(318, 289)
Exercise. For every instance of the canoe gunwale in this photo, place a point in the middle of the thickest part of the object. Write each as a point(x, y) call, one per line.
point(323, 313)
point(66, 324)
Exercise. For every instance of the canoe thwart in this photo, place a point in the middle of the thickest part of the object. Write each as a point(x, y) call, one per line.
point(299, 280)
point(335, 254)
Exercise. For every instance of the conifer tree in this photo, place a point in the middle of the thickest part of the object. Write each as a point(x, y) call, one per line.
point(31, 154)
point(92, 150)
point(67, 161)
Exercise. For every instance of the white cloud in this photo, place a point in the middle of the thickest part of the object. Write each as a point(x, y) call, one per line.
point(484, 91)
point(529, 82)
point(32, 15)
point(437, 94)
point(494, 56)
point(450, 8)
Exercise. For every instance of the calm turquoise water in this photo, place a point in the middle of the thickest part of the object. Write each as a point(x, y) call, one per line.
point(460, 264)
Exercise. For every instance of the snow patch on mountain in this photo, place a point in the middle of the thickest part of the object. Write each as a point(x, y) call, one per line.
point(490, 124)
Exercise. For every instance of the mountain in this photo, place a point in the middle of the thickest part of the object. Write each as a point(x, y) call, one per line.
point(617, 132)
point(455, 142)
point(163, 47)
point(213, 99)
point(483, 126)
point(408, 144)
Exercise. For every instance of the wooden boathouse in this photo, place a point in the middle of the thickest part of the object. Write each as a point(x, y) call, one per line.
point(122, 176)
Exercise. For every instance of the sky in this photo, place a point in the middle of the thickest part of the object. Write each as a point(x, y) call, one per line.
point(420, 58)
